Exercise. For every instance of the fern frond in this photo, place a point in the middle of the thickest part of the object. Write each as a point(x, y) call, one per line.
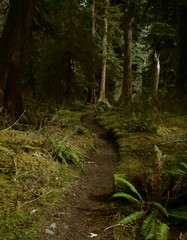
point(162, 232)
point(129, 184)
point(159, 207)
point(183, 164)
point(178, 214)
point(126, 196)
point(132, 217)
point(148, 224)
point(150, 236)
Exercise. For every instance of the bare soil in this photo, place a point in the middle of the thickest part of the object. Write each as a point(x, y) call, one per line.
point(84, 212)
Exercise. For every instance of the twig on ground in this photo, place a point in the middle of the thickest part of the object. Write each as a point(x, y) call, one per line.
point(16, 120)
point(36, 198)
point(116, 225)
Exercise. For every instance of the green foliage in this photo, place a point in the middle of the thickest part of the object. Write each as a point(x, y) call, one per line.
point(179, 213)
point(139, 123)
point(129, 184)
point(151, 209)
point(132, 217)
point(126, 196)
point(66, 154)
point(153, 206)
point(162, 233)
point(148, 224)
point(31, 178)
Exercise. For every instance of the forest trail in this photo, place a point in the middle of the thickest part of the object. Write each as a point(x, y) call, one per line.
point(84, 211)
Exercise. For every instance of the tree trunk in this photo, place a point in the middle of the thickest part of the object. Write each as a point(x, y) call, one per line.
point(102, 96)
point(14, 43)
point(155, 77)
point(92, 87)
point(69, 79)
point(182, 78)
point(126, 96)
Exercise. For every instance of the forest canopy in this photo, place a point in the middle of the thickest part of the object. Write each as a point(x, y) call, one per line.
point(114, 52)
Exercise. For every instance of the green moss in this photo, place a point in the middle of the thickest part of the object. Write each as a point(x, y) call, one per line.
point(31, 177)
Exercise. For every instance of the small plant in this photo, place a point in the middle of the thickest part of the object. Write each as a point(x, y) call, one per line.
point(152, 206)
point(66, 154)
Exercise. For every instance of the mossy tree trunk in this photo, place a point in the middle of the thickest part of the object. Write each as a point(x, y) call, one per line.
point(14, 43)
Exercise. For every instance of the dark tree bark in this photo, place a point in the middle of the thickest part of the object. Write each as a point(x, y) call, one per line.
point(182, 78)
point(14, 43)
point(69, 79)
point(92, 86)
point(126, 97)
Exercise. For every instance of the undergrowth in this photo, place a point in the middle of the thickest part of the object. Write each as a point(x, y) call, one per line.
point(38, 161)
point(136, 135)
point(155, 204)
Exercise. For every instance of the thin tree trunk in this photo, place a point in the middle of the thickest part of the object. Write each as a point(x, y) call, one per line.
point(92, 88)
point(102, 93)
point(126, 96)
point(155, 77)
point(69, 79)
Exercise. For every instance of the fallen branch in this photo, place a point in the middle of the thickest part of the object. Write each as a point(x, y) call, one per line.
point(36, 198)
point(15, 121)
point(116, 225)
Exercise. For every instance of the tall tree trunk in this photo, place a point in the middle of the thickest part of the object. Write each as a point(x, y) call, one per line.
point(69, 79)
point(182, 78)
point(126, 96)
point(92, 87)
point(155, 77)
point(102, 94)
point(14, 43)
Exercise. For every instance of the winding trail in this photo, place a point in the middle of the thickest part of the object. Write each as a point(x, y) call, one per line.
point(84, 212)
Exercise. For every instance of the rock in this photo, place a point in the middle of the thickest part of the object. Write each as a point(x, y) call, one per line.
point(53, 226)
point(65, 226)
point(49, 232)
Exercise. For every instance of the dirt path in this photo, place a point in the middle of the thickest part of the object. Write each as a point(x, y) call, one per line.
point(84, 212)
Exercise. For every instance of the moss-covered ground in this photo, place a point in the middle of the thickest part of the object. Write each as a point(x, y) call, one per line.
point(39, 157)
point(136, 135)
point(42, 153)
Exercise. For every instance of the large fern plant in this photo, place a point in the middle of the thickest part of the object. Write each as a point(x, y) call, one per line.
point(151, 209)
point(150, 212)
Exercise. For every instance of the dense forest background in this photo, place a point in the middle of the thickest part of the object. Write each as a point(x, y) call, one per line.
point(67, 67)
point(115, 52)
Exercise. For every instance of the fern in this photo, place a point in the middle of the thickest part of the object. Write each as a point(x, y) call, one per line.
point(159, 207)
point(126, 196)
point(150, 236)
point(129, 184)
point(132, 217)
point(162, 232)
point(178, 214)
point(66, 154)
point(184, 165)
point(148, 224)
